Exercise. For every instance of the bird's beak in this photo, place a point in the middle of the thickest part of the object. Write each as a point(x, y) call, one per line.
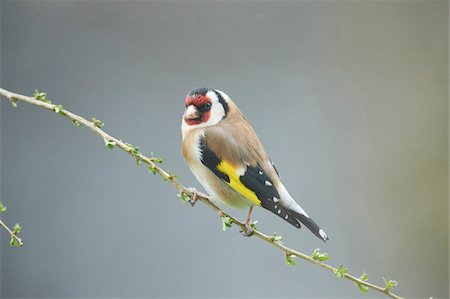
point(191, 113)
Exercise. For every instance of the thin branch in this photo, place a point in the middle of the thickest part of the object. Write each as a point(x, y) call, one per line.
point(14, 239)
point(40, 100)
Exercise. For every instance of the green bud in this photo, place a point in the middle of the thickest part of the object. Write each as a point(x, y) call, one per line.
point(151, 170)
point(17, 229)
point(390, 284)
point(184, 197)
point(340, 271)
point(253, 225)
point(157, 160)
point(14, 242)
point(172, 177)
point(363, 288)
point(13, 102)
point(59, 109)
point(275, 238)
point(289, 259)
point(226, 222)
point(110, 143)
point(318, 256)
point(41, 96)
point(2, 208)
point(97, 123)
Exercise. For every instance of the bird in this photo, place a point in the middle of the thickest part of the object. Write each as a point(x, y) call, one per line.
point(226, 156)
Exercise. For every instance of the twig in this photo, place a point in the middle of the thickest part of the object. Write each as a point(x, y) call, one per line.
point(15, 240)
point(40, 100)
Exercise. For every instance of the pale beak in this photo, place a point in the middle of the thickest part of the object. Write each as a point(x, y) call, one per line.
point(191, 113)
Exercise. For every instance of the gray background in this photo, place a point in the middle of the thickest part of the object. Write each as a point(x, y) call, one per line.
point(349, 99)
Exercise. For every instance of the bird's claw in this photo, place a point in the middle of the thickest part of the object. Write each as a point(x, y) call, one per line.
point(194, 196)
point(248, 231)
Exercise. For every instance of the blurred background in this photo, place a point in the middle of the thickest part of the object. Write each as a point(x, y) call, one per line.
point(350, 100)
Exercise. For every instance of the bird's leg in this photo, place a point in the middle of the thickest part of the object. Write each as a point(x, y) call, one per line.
point(248, 231)
point(194, 196)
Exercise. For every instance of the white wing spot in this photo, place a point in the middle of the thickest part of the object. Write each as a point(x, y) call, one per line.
point(268, 183)
point(286, 217)
point(279, 211)
point(323, 234)
point(275, 199)
point(276, 206)
point(260, 172)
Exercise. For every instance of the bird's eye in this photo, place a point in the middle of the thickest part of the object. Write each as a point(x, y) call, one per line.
point(205, 107)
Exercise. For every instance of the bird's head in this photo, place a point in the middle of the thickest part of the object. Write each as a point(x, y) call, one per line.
point(205, 107)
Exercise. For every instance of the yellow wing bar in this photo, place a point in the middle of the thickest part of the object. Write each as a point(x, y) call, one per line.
point(236, 183)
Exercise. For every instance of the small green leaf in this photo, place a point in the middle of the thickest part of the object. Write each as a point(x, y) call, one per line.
point(134, 151)
point(2, 208)
point(151, 169)
point(390, 284)
point(17, 229)
point(14, 242)
point(226, 222)
point(13, 102)
point(157, 160)
point(253, 225)
point(289, 259)
point(110, 143)
point(76, 123)
point(138, 162)
point(340, 271)
point(41, 96)
point(275, 238)
point(59, 109)
point(172, 177)
point(363, 288)
point(184, 197)
point(318, 256)
point(97, 123)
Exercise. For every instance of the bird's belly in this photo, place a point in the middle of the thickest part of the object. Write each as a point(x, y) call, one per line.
point(219, 191)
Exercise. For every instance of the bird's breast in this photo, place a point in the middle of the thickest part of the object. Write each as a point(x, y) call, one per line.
point(220, 192)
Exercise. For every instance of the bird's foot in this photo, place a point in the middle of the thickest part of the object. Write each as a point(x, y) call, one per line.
point(248, 231)
point(194, 196)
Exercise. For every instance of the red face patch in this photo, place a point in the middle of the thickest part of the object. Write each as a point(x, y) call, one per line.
point(199, 101)
point(201, 119)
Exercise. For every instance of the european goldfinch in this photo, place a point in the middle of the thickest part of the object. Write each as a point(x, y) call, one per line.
point(227, 158)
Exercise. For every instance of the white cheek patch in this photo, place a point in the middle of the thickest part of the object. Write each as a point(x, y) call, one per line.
point(216, 114)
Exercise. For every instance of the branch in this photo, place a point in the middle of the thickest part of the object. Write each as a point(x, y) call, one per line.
point(14, 241)
point(40, 99)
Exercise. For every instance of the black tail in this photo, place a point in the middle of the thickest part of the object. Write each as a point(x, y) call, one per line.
point(311, 225)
